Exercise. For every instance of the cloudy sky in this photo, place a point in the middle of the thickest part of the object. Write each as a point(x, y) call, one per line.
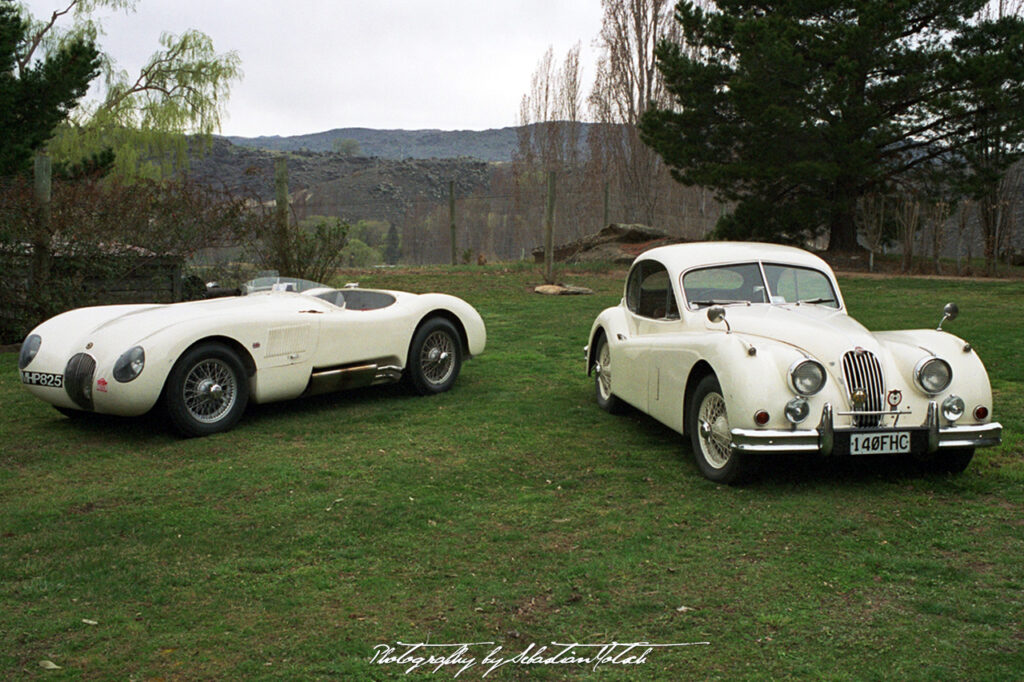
point(314, 65)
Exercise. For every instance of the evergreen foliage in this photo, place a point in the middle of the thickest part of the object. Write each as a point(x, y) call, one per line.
point(795, 109)
point(35, 99)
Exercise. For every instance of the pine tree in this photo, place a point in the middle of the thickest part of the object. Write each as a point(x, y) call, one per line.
point(795, 109)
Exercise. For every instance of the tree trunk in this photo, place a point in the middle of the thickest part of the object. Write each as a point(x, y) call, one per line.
point(842, 235)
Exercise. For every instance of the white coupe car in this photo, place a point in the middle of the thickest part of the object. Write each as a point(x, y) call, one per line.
point(748, 350)
point(205, 360)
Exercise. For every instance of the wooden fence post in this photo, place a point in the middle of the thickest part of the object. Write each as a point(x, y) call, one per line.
point(41, 236)
point(282, 255)
point(451, 218)
point(549, 231)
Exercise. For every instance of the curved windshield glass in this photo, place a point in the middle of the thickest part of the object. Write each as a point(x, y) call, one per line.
point(280, 284)
point(757, 283)
point(790, 284)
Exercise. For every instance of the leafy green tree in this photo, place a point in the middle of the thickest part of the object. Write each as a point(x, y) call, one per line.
point(145, 119)
point(795, 109)
point(37, 96)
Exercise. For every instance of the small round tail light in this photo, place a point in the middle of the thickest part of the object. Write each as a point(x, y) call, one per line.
point(761, 417)
point(980, 413)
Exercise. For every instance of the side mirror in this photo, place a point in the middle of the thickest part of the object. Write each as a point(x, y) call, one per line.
point(949, 312)
point(716, 313)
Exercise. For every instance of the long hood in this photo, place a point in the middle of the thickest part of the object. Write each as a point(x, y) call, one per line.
point(130, 324)
point(819, 331)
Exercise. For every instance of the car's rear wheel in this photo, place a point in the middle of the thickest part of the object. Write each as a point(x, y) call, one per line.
point(435, 357)
point(711, 438)
point(206, 391)
point(603, 378)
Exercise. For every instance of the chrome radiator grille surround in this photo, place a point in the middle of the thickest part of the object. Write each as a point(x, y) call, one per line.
point(863, 372)
point(78, 379)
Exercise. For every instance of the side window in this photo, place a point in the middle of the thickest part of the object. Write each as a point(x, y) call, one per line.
point(649, 291)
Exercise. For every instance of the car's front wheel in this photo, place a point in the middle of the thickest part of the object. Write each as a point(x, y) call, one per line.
point(207, 390)
point(435, 357)
point(711, 437)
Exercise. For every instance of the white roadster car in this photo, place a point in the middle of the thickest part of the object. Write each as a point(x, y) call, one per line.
point(748, 350)
point(205, 360)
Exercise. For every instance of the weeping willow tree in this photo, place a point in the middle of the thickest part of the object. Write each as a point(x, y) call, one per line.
point(144, 121)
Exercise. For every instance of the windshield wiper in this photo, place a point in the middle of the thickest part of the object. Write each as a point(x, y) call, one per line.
point(718, 301)
point(815, 301)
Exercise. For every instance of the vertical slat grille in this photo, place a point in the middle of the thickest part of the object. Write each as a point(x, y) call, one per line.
point(863, 372)
point(78, 379)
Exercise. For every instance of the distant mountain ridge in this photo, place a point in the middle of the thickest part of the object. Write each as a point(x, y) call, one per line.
point(494, 146)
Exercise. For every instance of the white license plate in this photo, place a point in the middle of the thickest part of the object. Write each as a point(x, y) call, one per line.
point(42, 379)
point(896, 442)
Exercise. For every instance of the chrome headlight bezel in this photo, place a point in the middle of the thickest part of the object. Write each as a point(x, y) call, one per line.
point(803, 383)
point(930, 382)
point(29, 349)
point(130, 365)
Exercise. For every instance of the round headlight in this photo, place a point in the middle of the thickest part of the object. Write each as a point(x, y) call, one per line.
point(28, 350)
point(933, 375)
point(130, 364)
point(807, 377)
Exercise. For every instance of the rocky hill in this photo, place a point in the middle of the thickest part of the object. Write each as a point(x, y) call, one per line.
point(353, 187)
point(483, 145)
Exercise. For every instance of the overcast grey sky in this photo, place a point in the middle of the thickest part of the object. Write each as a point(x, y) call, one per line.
point(314, 65)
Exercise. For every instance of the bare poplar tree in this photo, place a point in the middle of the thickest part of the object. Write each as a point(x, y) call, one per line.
point(627, 82)
point(549, 140)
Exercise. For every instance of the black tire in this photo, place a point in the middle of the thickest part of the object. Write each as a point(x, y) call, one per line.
point(948, 461)
point(435, 357)
point(206, 391)
point(708, 426)
point(602, 369)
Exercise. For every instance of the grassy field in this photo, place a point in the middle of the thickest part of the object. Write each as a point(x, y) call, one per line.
point(513, 511)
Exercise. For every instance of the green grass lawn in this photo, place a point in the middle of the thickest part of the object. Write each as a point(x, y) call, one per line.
point(510, 510)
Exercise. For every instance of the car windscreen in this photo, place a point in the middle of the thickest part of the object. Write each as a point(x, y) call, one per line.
point(791, 284)
point(722, 284)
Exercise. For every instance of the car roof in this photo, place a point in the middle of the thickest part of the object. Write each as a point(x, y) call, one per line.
point(681, 257)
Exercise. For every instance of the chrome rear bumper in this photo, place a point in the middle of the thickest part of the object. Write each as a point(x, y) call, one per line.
point(822, 439)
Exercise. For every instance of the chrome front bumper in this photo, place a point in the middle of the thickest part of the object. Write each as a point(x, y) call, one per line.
point(822, 440)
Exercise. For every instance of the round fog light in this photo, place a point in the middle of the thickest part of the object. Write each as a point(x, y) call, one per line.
point(953, 408)
point(797, 410)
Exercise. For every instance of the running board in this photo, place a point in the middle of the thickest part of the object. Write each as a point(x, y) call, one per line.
point(354, 376)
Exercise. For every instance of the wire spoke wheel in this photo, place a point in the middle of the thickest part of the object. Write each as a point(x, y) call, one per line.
point(437, 357)
point(604, 370)
point(209, 390)
point(713, 429)
point(707, 422)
